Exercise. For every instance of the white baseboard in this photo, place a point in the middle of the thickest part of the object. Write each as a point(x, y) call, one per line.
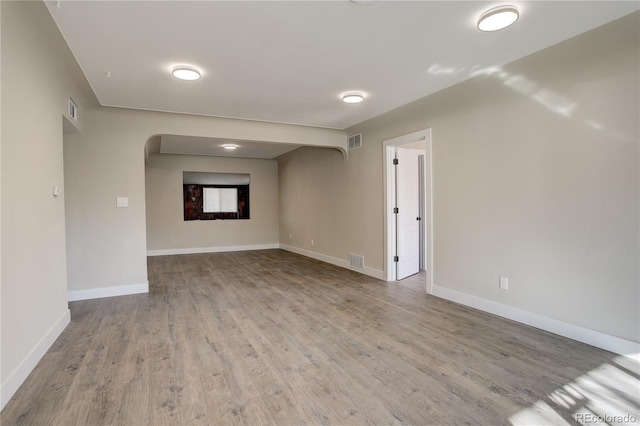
point(375, 273)
point(20, 374)
point(98, 293)
point(600, 340)
point(196, 250)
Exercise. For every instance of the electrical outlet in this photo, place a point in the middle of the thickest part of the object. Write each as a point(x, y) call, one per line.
point(290, 235)
point(312, 242)
point(504, 283)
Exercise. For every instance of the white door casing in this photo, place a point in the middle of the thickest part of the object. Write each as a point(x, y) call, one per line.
point(388, 147)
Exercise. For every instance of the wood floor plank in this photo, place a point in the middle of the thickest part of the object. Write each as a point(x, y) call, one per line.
point(273, 338)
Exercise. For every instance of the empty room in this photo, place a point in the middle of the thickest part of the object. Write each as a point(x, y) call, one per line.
point(343, 212)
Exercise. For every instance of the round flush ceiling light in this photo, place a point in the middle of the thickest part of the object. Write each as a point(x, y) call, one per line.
point(353, 98)
point(498, 18)
point(230, 146)
point(186, 72)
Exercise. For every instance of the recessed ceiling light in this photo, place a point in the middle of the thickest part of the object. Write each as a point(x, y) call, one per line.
point(186, 72)
point(498, 18)
point(353, 98)
point(230, 146)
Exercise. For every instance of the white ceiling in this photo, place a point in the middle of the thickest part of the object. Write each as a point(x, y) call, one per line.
point(191, 145)
point(289, 61)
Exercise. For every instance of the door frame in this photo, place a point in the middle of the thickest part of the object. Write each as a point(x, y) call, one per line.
point(389, 200)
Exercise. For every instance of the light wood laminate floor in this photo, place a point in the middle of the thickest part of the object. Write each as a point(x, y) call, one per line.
point(270, 337)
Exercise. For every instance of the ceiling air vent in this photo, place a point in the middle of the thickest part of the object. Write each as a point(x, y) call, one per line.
point(355, 141)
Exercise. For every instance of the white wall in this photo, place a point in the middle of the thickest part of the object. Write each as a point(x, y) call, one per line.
point(1, 380)
point(38, 76)
point(321, 200)
point(535, 177)
point(168, 232)
point(107, 245)
point(520, 190)
point(9, 392)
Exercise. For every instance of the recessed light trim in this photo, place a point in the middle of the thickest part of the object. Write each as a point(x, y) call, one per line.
point(230, 146)
point(353, 98)
point(498, 18)
point(186, 72)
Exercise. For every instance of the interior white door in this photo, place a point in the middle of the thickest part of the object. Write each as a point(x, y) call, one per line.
point(408, 216)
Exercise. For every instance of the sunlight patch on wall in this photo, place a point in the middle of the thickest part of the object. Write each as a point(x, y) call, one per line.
point(437, 69)
point(594, 124)
point(551, 100)
point(555, 102)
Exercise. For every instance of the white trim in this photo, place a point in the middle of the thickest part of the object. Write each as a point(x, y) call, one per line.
point(388, 148)
point(375, 273)
point(20, 374)
point(428, 209)
point(389, 195)
point(600, 340)
point(195, 250)
point(98, 293)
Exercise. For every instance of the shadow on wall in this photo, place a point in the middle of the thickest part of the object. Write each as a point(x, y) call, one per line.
point(151, 147)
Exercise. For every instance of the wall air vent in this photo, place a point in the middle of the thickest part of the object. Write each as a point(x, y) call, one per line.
point(73, 110)
point(356, 260)
point(355, 141)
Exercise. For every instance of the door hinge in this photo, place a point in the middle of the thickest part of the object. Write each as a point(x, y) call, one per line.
point(395, 161)
point(395, 210)
point(396, 259)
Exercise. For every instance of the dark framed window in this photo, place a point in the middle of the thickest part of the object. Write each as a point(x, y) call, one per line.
point(204, 200)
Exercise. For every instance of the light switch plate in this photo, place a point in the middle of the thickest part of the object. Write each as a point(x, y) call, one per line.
point(504, 283)
point(122, 202)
